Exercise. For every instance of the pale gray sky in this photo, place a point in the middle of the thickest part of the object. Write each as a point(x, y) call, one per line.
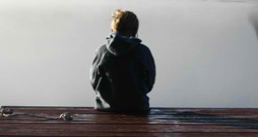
point(205, 51)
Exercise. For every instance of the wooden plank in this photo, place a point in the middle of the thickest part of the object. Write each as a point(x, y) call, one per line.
point(232, 110)
point(109, 134)
point(241, 111)
point(128, 117)
point(24, 116)
point(110, 118)
point(136, 122)
point(91, 111)
point(120, 128)
point(161, 108)
point(153, 112)
point(179, 122)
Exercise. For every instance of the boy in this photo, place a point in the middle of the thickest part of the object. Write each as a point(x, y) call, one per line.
point(123, 70)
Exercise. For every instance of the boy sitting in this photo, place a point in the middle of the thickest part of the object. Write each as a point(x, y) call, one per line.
point(123, 70)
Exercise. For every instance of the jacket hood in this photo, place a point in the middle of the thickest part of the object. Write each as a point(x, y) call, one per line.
point(119, 45)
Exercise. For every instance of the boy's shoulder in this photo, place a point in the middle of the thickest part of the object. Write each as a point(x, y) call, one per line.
point(142, 49)
point(139, 49)
point(101, 49)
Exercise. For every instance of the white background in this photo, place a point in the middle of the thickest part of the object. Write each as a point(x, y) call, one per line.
point(205, 50)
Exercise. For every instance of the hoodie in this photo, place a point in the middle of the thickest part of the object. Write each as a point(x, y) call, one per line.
point(122, 74)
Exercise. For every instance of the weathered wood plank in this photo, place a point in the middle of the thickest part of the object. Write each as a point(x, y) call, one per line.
point(25, 116)
point(109, 134)
point(120, 128)
point(34, 111)
point(135, 122)
point(111, 118)
point(179, 122)
point(161, 108)
point(240, 111)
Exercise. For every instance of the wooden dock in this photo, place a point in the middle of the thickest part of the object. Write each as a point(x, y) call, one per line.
point(160, 122)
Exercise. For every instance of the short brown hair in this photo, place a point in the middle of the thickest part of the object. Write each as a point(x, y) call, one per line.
point(125, 22)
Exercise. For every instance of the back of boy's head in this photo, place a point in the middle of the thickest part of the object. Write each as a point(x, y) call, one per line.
point(125, 22)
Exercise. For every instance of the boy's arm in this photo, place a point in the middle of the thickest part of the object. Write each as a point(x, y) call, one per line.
point(94, 74)
point(151, 71)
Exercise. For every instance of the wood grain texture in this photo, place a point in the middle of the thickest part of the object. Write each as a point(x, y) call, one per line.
point(176, 122)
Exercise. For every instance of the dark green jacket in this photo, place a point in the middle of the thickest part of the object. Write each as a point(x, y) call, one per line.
point(122, 73)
